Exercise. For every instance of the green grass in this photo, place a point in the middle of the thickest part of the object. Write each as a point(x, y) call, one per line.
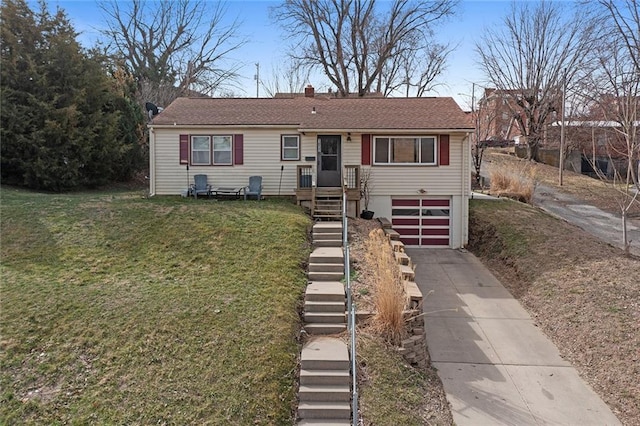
point(123, 310)
point(393, 393)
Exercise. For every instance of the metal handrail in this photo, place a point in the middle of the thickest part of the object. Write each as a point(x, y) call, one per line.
point(351, 307)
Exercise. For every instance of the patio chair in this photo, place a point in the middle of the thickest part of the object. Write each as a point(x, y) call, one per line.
point(254, 188)
point(200, 186)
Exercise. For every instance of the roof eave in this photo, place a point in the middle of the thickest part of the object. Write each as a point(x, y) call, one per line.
point(388, 130)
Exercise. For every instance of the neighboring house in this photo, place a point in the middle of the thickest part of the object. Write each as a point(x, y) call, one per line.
point(496, 116)
point(415, 150)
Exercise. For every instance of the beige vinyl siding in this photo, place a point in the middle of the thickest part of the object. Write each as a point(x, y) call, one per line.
point(261, 156)
point(410, 180)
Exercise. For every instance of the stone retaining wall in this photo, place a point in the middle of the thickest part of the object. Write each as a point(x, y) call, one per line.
point(414, 347)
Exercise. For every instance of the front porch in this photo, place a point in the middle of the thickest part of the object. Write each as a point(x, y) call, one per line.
point(326, 202)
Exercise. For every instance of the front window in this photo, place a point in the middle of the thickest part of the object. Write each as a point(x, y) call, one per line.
point(222, 150)
point(290, 147)
point(405, 150)
point(201, 150)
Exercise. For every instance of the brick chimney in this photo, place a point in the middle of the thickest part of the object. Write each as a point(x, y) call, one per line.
point(309, 92)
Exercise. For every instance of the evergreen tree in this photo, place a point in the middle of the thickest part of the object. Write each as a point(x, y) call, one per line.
point(65, 123)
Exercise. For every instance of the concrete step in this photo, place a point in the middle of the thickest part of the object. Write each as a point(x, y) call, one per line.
point(325, 377)
point(323, 216)
point(325, 353)
point(324, 306)
point(325, 276)
point(325, 291)
point(327, 255)
point(319, 329)
point(324, 410)
point(327, 227)
point(326, 267)
point(327, 243)
point(324, 393)
point(324, 422)
point(325, 318)
point(326, 235)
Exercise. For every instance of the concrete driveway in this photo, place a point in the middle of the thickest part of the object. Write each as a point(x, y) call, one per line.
point(497, 367)
point(602, 225)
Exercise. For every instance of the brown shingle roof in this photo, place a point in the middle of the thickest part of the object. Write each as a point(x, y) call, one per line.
point(331, 113)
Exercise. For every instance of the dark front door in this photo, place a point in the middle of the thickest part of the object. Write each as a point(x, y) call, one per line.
point(329, 165)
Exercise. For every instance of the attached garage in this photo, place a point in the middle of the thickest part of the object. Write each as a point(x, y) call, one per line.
point(422, 222)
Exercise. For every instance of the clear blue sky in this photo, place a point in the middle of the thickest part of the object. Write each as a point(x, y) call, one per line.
point(266, 46)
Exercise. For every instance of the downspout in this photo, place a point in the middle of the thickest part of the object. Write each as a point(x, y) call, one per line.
point(465, 187)
point(152, 162)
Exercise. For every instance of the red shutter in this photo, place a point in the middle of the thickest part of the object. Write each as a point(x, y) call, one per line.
point(238, 149)
point(184, 149)
point(366, 150)
point(444, 150)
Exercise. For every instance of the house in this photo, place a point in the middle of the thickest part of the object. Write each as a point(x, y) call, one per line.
point(496, 116)
point(414, 152)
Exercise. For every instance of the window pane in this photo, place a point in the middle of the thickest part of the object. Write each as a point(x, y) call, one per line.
point(435, 212)
point(200, 143)
point(200, 150)
point(382, 150)
point(405, 212)
point(290, 153)
point(404, 150)
point(222, 157)
point(200, 157)
point(290, 141)
point(222, 143)
point(329, 163)
point(428, 150)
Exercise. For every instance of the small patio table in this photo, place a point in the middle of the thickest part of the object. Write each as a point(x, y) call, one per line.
point(227, 191)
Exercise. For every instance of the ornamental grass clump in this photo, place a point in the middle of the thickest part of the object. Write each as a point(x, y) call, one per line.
point(389, 298)
point(513, 181)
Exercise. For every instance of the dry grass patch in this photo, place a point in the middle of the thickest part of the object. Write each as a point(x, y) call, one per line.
point(389, 297)
point(513, 180)
point(591, 191)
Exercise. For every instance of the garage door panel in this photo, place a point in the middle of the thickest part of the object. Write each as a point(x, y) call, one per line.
point(422, 222)
point(410, 241)
point(410, 222)
point(435, 222)
point(408, 231)
point(440, 242)
point(435, 232)
point(400, 202)
point(435, 203)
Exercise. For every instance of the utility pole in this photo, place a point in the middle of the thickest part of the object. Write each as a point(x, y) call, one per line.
point(561, 161)
point(257, 77)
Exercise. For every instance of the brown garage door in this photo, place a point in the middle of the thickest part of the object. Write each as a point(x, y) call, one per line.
point(422, 222)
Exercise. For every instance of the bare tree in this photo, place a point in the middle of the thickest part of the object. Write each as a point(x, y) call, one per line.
point(292, 78)
point(173, 47)
point(353, 43)
point(526, 57)
point(483, 118)
point(415, 69)
point(613, 89)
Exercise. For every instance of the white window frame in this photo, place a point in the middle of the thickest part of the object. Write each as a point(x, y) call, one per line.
point(193, 150)
point(214, 150)
point(415, 138)
point(284, 149)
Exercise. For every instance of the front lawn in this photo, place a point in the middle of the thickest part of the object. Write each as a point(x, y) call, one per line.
point(117, 309)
